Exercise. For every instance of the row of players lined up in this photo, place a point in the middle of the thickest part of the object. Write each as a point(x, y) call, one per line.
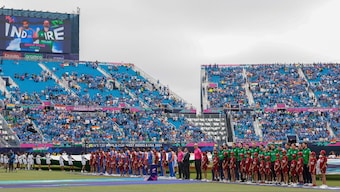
point(238, 163)
point(293, 164)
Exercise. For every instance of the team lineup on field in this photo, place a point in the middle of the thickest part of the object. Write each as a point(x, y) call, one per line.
point(292, 165)
point(236, 96)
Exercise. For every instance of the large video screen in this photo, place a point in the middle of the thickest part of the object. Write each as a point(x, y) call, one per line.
point(35, 34)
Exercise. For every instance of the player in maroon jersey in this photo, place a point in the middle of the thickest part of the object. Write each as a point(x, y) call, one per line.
point(156, 157)
point(92, 162)
point(293, 165)
point(215, 166)
point(97, 163)
point(299, 167)
point(277, 168)
point(205, 163)
point(114, 162)
point(134, 162)
point(262, 169)
point(255, 167)
point(323, 167)
point(140, 162)
point(225, 166)
point(127, 161)
point(312, 167)
point(108, 163)
point(242, 169)
point(101, 163)
point(164, 163)
point(232, 166)
point(145, 162)
point(268, 170)
point(248, 167)
point(121, 157)
point(284, 167)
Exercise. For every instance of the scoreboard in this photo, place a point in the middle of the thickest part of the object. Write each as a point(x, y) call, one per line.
point(39, 34)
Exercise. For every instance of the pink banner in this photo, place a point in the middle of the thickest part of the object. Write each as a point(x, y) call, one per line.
point(134, 110)
point(111, 109)
point(302, 109)
point(280, 106)
point(222, 65)
point(323, 109)
point(336, 144)
point(86, 108)
point(33, 145)
point(212, 85)
point(202, 144)
point(297, 110)
point(46, 103)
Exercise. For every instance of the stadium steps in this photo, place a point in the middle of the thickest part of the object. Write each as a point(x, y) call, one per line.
point(62, 83)
point(329, 128)
point(35, 127)
point(310, 91)
point(246, 87)
point(3, 88)
point(230, 129)
point(213, 125)
point(204, 90)
point(9, 138)
point(258, 130)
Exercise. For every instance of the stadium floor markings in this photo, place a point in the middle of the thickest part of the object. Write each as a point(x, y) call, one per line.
point(86, 182)
point(120, 181)
point(283, 186)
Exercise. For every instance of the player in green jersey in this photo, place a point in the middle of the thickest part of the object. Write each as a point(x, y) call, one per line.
point(235, 150)
point(46, 37)
point(307, 177)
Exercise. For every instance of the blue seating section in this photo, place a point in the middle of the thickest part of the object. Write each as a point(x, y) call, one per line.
point(324, 80)
point(229, 91)
point(151, 94)
point(243, 126)
point(276, 84)
point(309, 126)
point(91, 88)
point(32, 81)
point(272, 84)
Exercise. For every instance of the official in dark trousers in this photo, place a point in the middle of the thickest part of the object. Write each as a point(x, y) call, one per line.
point(198, 160)
point(180, 156)
point(186, 164)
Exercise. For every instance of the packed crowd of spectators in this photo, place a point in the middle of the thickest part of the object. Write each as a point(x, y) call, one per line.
point(91, 87)
point(324, 80)
point(276, 83)
point(229, 91)
point(269, 84)
point(20, 123)
point(153, 94)
point(334, 122)
point(67, 127)
point(308, 126)
point(243, 124)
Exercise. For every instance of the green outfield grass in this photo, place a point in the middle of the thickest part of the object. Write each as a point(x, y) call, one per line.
point(195, 187)
point(202, 187)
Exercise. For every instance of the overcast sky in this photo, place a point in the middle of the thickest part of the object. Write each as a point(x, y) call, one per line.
point(171, 39)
